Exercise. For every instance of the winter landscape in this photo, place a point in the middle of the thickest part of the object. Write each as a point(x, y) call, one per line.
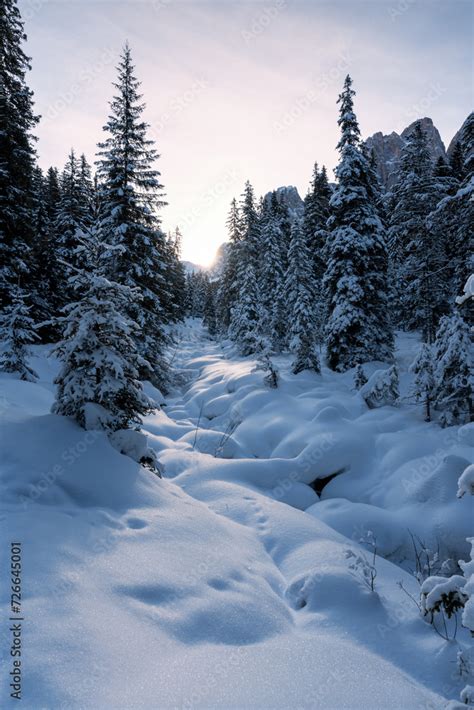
point(237, 477)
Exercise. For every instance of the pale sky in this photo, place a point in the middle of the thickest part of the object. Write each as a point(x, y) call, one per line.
point(245, 90)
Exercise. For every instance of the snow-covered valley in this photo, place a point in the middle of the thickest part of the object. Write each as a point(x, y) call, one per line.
point(227, 583)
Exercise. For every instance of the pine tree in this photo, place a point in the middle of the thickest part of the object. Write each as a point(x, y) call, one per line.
point(272, 278)
point(300, 303)
point(453, 372)
point(98, 384)
point(176, 277)
point(382, 388)
point(228, 288)
point(423, 385)
point(17, 333)
point(451, 222)
point(209, 316)
point(416, 250)
point(130, 194)
point(250, 226)
point(17, 154)
point(246, 325)
point(456, 162)
point(358, 327)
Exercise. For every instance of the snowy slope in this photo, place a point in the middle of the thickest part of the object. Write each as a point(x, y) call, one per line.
point(213, 587)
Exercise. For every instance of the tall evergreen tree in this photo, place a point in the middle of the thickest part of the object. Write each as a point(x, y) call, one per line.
point(130, 194)
point(302, 340)
point(17, 333)
point(416, 250)
point(250, 225)
point(272, 277)
point(228, 288)
point(451, 222)
point(246, 325)
point(456, 162)
point(453, 371)
point(358, 327)
point(17, 154)
point(98, 383)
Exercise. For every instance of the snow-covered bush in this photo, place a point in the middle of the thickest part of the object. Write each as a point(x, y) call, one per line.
point(17, 332)
point(135, 445)
point(442, 594)
point(468, 571)
point(381, 389)
point(466, 482)
point(360, 565)
point(272, 376)
point(360, 378)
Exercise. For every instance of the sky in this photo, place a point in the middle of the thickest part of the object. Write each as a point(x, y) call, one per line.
point(244, 90)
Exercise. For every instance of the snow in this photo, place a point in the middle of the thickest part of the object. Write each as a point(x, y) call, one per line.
point(466, 482)
point(226, 584)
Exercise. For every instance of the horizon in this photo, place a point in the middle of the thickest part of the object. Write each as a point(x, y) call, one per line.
point(221, 64)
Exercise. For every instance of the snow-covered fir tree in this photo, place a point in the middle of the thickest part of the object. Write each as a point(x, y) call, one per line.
point(382, 388)
point(209, 314)
point(17, 333)
point(452, 219)
point(247, 321)
point(298, 287)
point(316, 214)
point(176, 277)
point(272, 277)
point(423, 384)
point(456, 162)
point(98, 384)
point(250, 226)
point(355, 281)
point(453, 371)
point(130, 194)
point(415, 247)
point(228, 287)
point(17, 154)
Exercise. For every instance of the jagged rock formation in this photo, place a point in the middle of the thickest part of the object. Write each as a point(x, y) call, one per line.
point(290, 197)
point(388, 148)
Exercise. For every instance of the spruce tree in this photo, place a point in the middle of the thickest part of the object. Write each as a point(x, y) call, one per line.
point(17, 333)
point(17, 154)
point(228, 288)
point(130, 194)
point(456, 162)
point(423, 385)
point(272, 277)
point(453, 371)
point(250, 226)
point(358, 327)
point(415, 246)
point(302, 340)
point(246, 325)
point(451, 223)
point(98, 383)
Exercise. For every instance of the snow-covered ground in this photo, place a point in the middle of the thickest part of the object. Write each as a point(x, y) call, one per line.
point(227, 583)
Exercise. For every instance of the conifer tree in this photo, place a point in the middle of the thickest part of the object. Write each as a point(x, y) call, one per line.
point(316, 214)
point(272, 277)
point(17, 154)
point(456, 162)
point(415, 248)
point(451, 223)
point(130, 194)
point(246, 325)
point(358, 327)
point(423, 385)
point(209, 315)
point(250, 226)
point(98, 383)
point(453, 371)
point(17, 333)
point(302, 341)
point(228, 288)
